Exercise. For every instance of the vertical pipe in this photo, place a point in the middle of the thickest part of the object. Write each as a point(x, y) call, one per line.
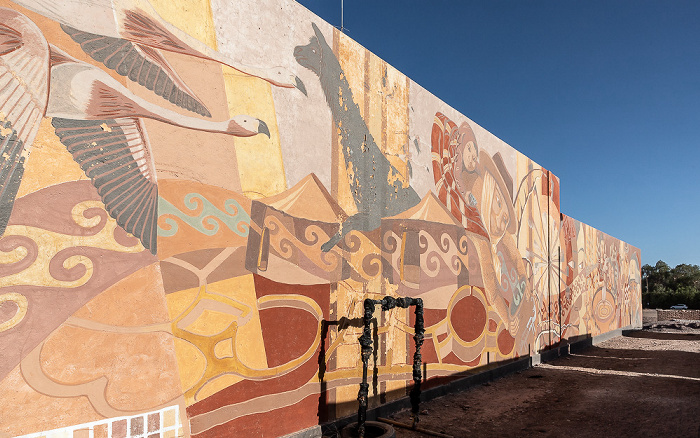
point(549, 267)
point(417, 377)
point(561, 323)
point(366, 352)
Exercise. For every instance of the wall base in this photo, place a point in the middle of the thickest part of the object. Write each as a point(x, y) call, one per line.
point(495, 372)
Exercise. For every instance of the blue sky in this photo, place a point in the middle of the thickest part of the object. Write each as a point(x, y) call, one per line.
point(605, 94)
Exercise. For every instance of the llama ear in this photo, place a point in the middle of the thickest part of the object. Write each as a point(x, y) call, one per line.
point(318, 33)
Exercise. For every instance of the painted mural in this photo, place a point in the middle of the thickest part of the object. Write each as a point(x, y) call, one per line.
point(195, 200)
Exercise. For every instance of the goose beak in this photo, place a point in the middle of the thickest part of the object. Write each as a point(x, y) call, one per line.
point(300, 85)
point(263, 129)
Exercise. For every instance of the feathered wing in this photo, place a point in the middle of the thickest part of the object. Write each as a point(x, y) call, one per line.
point(116, 156)
point(24, 66)
point(141, 64)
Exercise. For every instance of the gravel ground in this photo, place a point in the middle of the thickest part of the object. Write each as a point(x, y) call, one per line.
point(643, 384)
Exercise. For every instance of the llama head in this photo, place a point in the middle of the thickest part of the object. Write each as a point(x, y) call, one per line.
point(311, 55)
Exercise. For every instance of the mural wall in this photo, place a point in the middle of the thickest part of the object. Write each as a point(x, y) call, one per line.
point(197, 195)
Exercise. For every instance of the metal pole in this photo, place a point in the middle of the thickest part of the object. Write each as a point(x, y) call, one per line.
point(561, 323)
point(549, 266)
point(366, 351)
point(341, 16)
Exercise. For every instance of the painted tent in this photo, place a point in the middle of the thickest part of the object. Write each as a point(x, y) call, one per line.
point(197, 195)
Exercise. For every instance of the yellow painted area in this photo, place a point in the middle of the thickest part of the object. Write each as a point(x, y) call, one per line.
point(224, 349)
point(179, 301)
point(191, 16)
point(169, 418)
point(248, 345)
point(259, 158)
point(210, 323)
point(230, 344)
point(191, 363)
point(49, 162)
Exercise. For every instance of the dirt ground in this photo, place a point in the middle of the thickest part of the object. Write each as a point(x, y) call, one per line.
point(644, 384)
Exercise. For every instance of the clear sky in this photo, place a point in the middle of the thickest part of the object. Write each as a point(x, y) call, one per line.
point(605, 94)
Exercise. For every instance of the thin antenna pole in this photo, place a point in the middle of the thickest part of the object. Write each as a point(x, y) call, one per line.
point(341, 16)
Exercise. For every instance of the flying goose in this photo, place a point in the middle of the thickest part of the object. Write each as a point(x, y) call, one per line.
point(94, 116)
point(128, 35)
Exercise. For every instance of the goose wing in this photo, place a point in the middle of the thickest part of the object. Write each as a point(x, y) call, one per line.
point(24, 71)
point(115, 155)
point(141, 64)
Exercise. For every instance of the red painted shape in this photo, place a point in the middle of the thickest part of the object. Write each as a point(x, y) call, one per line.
point(468, 318)
point(505, 342)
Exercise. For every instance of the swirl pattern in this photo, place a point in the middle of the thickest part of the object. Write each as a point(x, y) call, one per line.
point(203, 216)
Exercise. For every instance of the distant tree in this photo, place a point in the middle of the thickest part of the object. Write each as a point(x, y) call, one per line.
point(663, 286)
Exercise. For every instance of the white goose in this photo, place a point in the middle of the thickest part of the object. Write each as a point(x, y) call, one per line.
point(95, 117)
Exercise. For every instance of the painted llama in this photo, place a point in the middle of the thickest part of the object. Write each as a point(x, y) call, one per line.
point(375, 184)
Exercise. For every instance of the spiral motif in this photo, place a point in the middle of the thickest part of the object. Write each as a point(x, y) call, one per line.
point(463, 244)
point(604, 310)
point(90, 215)
point(432, 263)
point(69, 266)
point(169, 227)
point(210, 223)
point(20, 253)
point(194, 203)
point(391, 242)
point(372, 265)
point(285, 248)
point(312, 235)
point(352, 242)
point(273, 226)
point(445, 240)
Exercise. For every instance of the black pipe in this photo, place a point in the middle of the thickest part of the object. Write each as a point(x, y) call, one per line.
point(388, 303)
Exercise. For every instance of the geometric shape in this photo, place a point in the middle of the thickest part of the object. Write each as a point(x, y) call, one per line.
point(101, 431)
point(505, 342)
point(200, 258)
point(169, 418)
point(224, 348)
point(81, 433)
point(233, 266)
point(210, 322)
point(119, 429)
point(288, 333)
point(217, 384)
point(134, 301)
point(176, 278)
point(468, 318)
point(136, 426)
point(153, 422)
point(308, 199)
